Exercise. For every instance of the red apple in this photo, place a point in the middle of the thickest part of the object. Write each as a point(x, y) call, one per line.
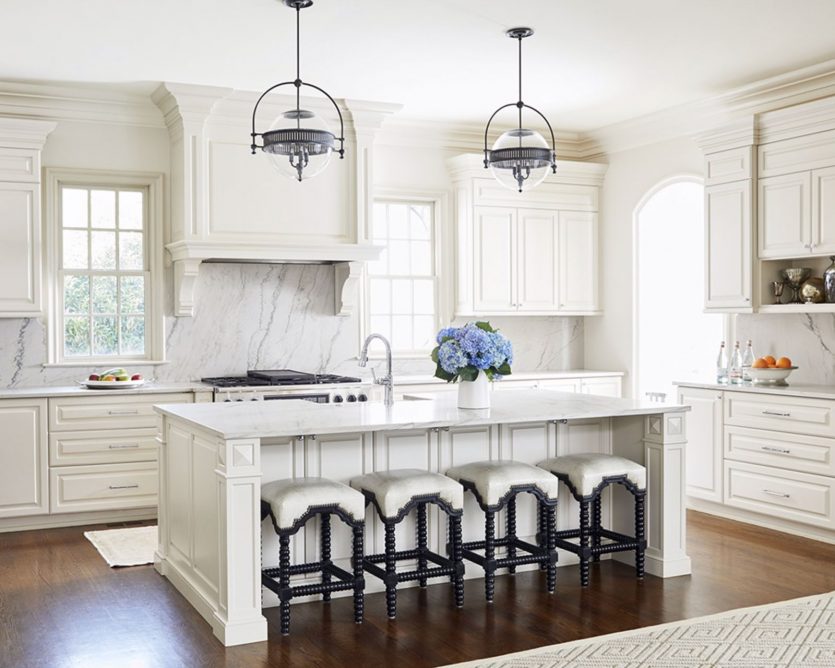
point(93, 376)
point(136, 376)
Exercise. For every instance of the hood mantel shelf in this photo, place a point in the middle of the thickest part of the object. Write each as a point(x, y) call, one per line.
point(230, 206)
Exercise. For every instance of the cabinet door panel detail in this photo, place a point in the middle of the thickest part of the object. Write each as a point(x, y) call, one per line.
point(495, 250)
point(784, 216)
point(20, 243)
point(578, 261)
point(728, 245)
point(704, 443)
point(823, 210)
point(537, 260)
point(23, 452)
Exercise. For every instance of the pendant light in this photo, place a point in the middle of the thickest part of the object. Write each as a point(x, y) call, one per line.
point(298, 142)
point(520, 158)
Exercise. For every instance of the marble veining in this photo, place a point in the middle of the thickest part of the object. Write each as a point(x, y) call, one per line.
point(272, 316)
point(279, 419)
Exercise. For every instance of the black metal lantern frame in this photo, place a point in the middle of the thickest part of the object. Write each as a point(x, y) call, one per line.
point(520, 159)
point(298, 143)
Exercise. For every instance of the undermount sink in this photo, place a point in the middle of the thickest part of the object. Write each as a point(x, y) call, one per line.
point(412, 397)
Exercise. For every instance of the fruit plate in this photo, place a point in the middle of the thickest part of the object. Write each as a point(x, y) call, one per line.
point(770, 376)
point(111, 384)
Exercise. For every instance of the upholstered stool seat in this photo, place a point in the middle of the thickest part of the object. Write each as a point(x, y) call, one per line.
point(290, 504)
point(586, 475)
point(395, 494)
point(495, 485)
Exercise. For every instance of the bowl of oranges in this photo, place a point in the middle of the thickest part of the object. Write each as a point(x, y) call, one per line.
point(769, 370)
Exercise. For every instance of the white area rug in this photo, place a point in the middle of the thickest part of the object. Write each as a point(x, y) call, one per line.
point(125, 547)
point(797, 633)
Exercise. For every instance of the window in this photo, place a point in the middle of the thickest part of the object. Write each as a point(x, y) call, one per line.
point(402, 286)
point(102, 261)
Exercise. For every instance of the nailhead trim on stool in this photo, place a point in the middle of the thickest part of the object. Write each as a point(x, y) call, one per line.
point(282, 501)
point(586, 476)
point(394, 494)
point(495, 485)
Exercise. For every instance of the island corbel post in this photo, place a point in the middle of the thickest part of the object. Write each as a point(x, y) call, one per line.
point(211, 471)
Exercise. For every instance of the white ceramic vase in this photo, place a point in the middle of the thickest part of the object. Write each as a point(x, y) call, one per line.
point(474, 394)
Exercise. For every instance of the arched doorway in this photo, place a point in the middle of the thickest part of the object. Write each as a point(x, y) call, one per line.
point(673, 338)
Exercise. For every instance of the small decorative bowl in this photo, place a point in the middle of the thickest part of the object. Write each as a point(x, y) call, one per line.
point(770, 376)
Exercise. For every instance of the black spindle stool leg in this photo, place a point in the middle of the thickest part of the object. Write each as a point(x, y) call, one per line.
point(421, 541)
point(457, 559)
point(511, 532)
point(541, 523)
point(596, 522)
point(359, 582)
point(551, 544)
point(489, 554)
point(325, 536)
point(391, 571)
point(284, 581)
point(640, 534)
point(584, 543)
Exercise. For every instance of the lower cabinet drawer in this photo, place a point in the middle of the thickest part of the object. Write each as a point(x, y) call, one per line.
point(103, 487)
point(799, 497)
point(102, 447)
point(795, 415)
point(808, 454)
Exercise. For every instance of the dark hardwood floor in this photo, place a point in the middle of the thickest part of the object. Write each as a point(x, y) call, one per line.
point(60, 605)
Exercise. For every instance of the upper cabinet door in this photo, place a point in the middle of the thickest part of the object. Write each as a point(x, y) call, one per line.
point(494, 252)
point(728, 243)
point(578, 262)
point(20, 250)
point(537, 260)
point(823, 211)
point(785, 223)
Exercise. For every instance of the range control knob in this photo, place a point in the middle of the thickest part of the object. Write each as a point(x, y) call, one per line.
point(238, 399)
point(337, 399)
point(351, 398)
point(227, 400)
point(362, 397)
point(254, 399)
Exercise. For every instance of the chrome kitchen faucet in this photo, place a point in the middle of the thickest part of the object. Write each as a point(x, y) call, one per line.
point(386, 381)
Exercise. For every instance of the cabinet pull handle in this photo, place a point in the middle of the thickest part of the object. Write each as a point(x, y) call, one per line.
point(777, 413)
point(134, 486)
point(122, 446)
point(771, 492)
point(769, 448)
point(135, 411)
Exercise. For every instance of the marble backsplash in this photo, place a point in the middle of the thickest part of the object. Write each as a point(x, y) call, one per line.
point(808, 339)
point(273, 316)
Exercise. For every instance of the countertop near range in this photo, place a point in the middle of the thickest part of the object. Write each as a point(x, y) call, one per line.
point(277, 419)
point(791, 390)
point(517, 376)
point(80, 391)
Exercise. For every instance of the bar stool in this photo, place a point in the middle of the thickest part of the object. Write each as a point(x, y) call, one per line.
point(586, 476)
point(495, 485)
point(290, 504)
point(394, 494)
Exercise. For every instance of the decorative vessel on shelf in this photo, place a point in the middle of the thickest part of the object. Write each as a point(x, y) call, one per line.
point(829, 282)
point(475, 355)
point(794, 277)
point(812, 290)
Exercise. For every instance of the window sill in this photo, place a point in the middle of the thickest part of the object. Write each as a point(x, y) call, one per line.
point(89, 363)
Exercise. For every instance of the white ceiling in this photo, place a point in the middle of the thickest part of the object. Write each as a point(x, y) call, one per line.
point(591, 63)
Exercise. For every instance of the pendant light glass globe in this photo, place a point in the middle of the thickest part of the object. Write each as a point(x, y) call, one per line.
point(520, 159)
point(299, 144)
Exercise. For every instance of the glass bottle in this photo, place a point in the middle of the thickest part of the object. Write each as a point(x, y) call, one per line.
point(735, 366)
point(747, 360)
point(722, 365)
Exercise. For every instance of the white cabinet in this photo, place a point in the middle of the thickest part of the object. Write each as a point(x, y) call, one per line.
point(495, 259)
point(536, 272)
point(21, 142)
point(610, 386)
point(578, 263)
point(704, 442)
point(24, 488)
point(728, 225)
point(823, 210)
point(785, 220)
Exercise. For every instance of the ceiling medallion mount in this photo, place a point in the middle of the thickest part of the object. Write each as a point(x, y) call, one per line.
point(520, 158)
point(298, 142)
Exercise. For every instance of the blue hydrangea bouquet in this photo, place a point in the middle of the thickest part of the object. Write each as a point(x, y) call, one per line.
point(462, 352)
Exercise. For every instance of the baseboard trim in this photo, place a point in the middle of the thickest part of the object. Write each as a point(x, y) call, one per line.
point(32, 523)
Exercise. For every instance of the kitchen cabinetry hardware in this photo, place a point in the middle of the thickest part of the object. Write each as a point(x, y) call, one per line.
point(782, 451)
point(771, 492)
point(123, 412)
point(133, 486)
point(122, 446)
point(777, 413)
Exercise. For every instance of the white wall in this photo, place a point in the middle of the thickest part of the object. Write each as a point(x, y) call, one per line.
point(631, 174)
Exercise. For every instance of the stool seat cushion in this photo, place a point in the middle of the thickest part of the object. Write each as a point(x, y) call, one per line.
point(493, 479)
point(588, 470)
point(290, 499)
point(393, 490)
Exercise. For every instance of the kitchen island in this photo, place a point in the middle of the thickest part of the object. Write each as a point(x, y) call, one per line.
point(214, 458)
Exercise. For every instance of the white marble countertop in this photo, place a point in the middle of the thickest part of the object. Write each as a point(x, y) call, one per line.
point(521, 376)
point(80, 391)
point(277, 419)
point(791, 390)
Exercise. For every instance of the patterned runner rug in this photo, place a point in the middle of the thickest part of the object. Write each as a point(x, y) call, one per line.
point(796, 633)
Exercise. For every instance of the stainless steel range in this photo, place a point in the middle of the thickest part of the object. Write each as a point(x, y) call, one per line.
point(277, 384)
